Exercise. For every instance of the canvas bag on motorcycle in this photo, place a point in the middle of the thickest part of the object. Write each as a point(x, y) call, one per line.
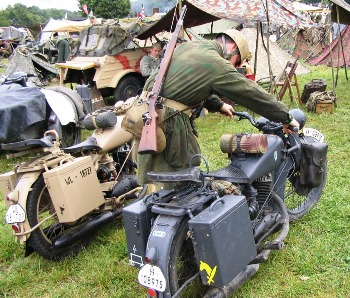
point(312, 165)
point(133, 121)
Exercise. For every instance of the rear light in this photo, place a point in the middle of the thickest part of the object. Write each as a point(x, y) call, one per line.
point(152, 293)
point(151, 256)
point(16, 228)
point(147, 260)
point(97, 65)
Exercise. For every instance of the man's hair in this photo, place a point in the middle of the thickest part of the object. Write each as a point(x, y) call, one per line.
point(157, 45)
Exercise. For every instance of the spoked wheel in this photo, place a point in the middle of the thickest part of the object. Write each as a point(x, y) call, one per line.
point(39, 208)
point(183, 265)
point(71, 135)
point(300, 200)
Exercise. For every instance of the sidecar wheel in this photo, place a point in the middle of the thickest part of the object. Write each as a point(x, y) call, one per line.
point(183, 265)
point(71, 135)
point(40, 207)
point(300, 204)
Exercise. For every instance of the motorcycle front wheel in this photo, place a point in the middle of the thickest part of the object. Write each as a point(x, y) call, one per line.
point(183, 265)
point(300, 204)
point(40, 207)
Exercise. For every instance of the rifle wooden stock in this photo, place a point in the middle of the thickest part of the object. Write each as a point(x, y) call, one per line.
point(148, 142)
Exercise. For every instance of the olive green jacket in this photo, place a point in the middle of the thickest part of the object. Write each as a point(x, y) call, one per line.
point(197, 71)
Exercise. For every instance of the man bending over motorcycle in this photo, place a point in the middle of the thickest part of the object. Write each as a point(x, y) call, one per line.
point(199, 69)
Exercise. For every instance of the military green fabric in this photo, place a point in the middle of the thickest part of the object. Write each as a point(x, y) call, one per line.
point(181, 145)
point(63, 50)
point(197, 70)
point(147, 64)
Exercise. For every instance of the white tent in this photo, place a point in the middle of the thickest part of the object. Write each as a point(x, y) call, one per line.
point(64, 26)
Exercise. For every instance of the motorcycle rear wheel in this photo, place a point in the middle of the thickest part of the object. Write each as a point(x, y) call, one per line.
point(299, 205)
point(39, 207)
point(182, 264)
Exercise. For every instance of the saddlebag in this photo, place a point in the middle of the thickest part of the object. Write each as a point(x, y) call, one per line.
point(312, 165)
point(223, 241)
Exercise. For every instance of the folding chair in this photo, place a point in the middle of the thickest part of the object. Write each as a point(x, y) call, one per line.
point(288, 80)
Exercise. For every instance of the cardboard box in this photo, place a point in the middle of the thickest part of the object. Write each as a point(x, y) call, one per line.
point(324, 107)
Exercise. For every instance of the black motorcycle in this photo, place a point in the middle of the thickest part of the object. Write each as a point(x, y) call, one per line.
point(27, 112)
point(209, 233)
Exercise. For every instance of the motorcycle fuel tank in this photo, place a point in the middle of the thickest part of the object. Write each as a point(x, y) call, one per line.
point(256, 165)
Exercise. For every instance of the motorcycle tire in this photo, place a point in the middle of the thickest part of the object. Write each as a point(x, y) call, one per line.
point(39, 207)
point(299, 205)
point(183, 265)
point(71, 135)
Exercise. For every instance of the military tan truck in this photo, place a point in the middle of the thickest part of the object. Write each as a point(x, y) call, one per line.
point(105, 62)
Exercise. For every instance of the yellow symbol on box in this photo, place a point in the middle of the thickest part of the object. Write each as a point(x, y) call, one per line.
point(210, 272)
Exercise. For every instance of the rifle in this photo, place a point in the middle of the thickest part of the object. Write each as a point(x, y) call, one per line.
point(148, 141)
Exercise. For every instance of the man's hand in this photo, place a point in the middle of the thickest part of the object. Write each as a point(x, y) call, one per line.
point(293, 124)
point(227, 110)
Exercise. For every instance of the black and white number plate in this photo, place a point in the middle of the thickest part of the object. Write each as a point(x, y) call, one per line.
point(152, 277)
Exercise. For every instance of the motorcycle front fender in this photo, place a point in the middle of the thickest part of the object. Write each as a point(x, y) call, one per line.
point(62, 106)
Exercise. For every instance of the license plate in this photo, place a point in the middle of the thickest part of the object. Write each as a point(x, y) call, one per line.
point(15, 214)
point(314, 134)
point(152, 277)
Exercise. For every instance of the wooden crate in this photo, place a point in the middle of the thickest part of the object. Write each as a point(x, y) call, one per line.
point(324, 107)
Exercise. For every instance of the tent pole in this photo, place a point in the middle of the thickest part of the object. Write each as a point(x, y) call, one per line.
point(256, 48)
point(342, 46)
point(268, 44)
point(331, 57)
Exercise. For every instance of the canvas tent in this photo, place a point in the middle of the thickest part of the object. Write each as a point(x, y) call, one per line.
point(332, 55)
point(340, 11)
point(62, 26)
point(199, 12)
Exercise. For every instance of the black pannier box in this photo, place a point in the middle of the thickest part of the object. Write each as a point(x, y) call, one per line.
point(137, 224)
point(223, 241)
point(310, 87)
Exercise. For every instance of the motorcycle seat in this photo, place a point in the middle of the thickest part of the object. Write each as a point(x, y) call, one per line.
point(89, 144)
point(190, 175)
point(230, 173)
point(44, 142)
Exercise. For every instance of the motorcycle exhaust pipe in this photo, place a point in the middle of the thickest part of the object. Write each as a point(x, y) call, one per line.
point(224, 292)
point(86, 228)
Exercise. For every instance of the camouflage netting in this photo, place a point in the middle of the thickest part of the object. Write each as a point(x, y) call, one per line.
point(107, 39)
point(20, 60)
point(305, 44)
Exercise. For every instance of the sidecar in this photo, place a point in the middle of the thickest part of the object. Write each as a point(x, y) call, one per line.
point(27, 112)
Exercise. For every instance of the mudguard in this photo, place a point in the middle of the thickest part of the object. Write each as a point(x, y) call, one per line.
point(161, 238)
point(62, 106)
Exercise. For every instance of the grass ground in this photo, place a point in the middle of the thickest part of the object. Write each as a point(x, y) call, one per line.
point(314, 263)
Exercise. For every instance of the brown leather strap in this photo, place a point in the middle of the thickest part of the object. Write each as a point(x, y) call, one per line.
point(169, 103)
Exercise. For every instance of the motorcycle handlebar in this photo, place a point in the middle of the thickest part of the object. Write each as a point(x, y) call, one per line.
point(265, 126)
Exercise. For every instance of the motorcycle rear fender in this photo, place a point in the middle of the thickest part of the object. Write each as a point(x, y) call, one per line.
point(160, 240)
point(20, 195)
point(62, 106)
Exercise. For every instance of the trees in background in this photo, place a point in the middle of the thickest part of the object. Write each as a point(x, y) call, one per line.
point(23, 16)
point(107, 9)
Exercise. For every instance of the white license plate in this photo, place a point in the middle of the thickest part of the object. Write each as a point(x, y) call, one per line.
point(152, 277)
point(313, 133)
point(15, 214)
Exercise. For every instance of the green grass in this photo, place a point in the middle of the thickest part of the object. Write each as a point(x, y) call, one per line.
point(314, 263)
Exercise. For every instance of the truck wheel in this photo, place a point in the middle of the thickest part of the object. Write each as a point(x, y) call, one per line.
point(127, 87)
